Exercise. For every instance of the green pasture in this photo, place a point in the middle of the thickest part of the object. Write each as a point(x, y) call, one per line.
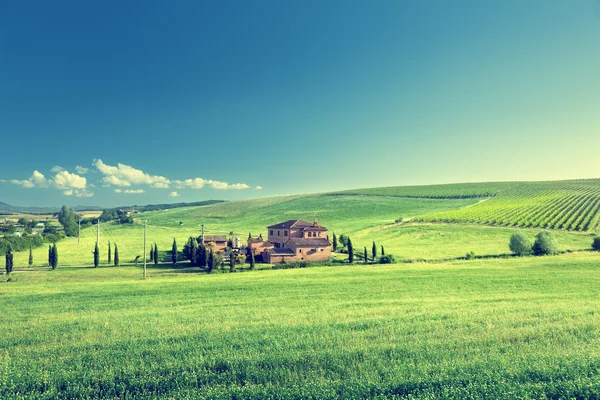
point(364, 218)
point(526, 328)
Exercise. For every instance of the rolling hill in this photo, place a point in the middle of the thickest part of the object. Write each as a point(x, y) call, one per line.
point(418, 222)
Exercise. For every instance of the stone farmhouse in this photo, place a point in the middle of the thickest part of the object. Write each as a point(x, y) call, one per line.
point(293, 240)
point(220, 241)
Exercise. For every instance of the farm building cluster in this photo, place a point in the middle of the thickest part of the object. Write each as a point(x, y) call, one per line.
point(293, 240)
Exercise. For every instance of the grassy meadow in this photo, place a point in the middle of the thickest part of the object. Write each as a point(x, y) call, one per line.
point(364, 218)
point(501, 328)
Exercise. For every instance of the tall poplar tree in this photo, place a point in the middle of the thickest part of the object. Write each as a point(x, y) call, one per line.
point(30, 256)
point(96, 255)
point(334, 242)
point(350, 251)
point(155, 254)
point(374, 251)
point(366, 255)
point(174, 252)
point(116, 256)
point(109, 253)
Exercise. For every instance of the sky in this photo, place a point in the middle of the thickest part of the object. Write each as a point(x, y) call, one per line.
point(136, 102)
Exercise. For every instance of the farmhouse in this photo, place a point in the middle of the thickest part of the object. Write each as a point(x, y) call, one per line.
point(258, 246)
point(295, 240)
point(220, 241)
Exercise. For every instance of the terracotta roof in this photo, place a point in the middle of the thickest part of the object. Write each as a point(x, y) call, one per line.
point(214, 238)
point(282, 251)
point(314, 228)
point(294, 223)
point(316, 242)
point(253, 240)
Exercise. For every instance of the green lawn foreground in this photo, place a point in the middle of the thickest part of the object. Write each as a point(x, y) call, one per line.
point(500, 328)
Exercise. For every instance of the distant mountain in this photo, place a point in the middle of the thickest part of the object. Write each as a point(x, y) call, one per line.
point(7, 208)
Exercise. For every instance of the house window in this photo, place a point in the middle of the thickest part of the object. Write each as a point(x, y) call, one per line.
point(278, 233)
point(271, 233)
point(284, 233)
point(300, 250)
point(321, 249)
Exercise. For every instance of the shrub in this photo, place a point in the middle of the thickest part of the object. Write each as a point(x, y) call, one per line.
point(387, 259)
point(596, 243)
point(545, 244)
point(470, 255)
point(520, 244)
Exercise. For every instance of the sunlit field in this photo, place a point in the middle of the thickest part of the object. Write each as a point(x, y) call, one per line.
point(503, 328)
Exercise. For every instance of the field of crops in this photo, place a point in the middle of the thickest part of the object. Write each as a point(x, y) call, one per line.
point(448, 191)
point(570, 205)
point(519, 328)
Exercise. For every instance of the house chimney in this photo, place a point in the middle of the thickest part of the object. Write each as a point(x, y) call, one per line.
point(315, 222)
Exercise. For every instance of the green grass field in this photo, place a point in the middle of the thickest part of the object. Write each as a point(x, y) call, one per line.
point(364, 218)
point(503, 328)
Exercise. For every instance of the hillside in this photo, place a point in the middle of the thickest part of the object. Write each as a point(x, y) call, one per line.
point(570, 205)
point(368, 217)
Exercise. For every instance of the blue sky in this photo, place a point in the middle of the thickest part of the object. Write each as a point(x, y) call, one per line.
point(148, 102)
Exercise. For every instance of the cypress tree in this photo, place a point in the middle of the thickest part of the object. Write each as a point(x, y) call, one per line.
point(116, 256)
point(231, 262)
point(174, 252)
point(49, 255)
point(374, 251)
point(382, 251)
point(350, 251)
point(366, 255)
point(109, 253)
point(251, 260)
point(151, 252)
point(334, 242)
point(8, 260)
point(194, 251)
point(249, 236)
point(96, 255)
point(30, 256)
point(155, 254)
point(54, 256)
point(211, 261)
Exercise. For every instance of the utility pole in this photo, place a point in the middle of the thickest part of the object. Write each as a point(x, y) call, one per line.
point(144, 249)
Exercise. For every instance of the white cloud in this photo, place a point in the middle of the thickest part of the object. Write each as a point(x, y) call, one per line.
point(83, 193)
point(225, 186)
point(174, 194)
point(81, 170)
point(113, 180)
point(259, 188)
point(66, 180)
point(57, 168)
point(199, 183)
point(37, 179)
point(125, 173)
point(70, 184)
point(77, 193)
point(130, 191)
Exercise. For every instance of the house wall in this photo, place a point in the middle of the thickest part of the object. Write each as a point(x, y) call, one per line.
point(312, 253)
point(275, 259)
point(281, 238)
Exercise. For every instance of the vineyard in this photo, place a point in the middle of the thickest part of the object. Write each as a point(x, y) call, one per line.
point(448, 191)
point(570, 205)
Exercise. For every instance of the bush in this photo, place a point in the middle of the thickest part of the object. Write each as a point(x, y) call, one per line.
point(387, 259)
point(545, 244)
point(470, 255)
point(596, 243)
point(520, 244)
